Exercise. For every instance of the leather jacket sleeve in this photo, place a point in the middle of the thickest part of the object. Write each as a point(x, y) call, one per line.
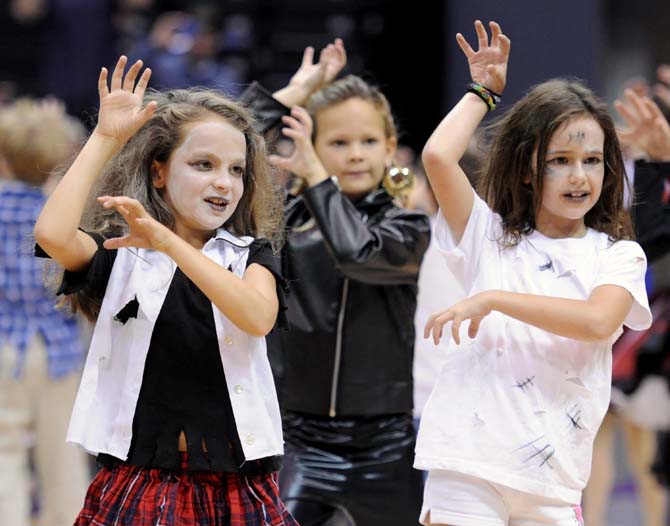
point(383, 252)
point(650, 215)
point(267, 110)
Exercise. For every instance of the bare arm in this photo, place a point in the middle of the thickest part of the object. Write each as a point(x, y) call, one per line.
point(447, 144)
point(121, 115)
point(250, 302)
point(593, 319)
point(311, 77)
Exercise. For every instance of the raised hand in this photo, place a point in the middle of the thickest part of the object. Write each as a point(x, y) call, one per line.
point(488, 65)
point(335, 57)
point(474, 308)
point(662, 87)
point(121, 112)
point(647, 129)
point(311, 77)
point(144, 230)
point(303, 161)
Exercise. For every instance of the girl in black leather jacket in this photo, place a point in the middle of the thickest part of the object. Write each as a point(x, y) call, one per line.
point(352, 260)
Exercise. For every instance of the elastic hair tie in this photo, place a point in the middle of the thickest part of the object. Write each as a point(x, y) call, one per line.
point(489, 96)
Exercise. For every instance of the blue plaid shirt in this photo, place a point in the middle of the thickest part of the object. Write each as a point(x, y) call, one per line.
point(26, 306)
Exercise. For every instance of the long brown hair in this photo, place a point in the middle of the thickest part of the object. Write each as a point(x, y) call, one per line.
point(511, 182)
point(259, 212)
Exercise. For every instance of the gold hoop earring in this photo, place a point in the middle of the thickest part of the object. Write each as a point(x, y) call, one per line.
point(398, 181)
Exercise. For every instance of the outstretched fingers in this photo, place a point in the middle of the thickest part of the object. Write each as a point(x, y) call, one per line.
point(129, 79)
point(495, 32)
point(473, 328)
point(482, 36)
point(129, 208)
point(103, 90)
point(435, 325)
point(465, 46)
point(638, 102)
point(117, 75)
point(622, 109)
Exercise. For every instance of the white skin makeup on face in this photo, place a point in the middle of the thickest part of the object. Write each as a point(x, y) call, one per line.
point(573, 178)
point(352, 145)
point(203, 179)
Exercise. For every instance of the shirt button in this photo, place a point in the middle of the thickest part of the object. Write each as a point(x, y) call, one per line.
point(251, 440)
point(238, 389)
point(228, 340)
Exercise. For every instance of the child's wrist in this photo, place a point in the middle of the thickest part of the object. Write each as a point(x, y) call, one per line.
point(487, 95)
point(110, 143)
point(315, 174)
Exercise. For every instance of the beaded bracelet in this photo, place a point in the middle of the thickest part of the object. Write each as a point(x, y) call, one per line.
point(490, 97)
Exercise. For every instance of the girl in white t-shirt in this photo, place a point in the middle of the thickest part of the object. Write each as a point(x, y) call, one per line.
point(551, 276)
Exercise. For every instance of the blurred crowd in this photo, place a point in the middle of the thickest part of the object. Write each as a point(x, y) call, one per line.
point(198, 43)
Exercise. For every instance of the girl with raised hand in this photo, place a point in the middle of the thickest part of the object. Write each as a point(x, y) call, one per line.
point(353, 259)
point(177, 398)
point(547, 261)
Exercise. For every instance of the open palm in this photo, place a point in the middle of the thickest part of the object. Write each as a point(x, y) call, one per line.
point(488, 65)
point(121, 113)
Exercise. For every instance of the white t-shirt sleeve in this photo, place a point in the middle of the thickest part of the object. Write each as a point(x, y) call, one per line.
point(624, 264)
point(463, 258)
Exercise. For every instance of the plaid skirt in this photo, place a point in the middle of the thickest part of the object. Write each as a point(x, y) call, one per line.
point(125, 495)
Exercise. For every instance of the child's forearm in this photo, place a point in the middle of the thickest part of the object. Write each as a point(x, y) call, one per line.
point(250, 306)
point(291, 96)
point(595, 319)
point(58, 223)
point(450, 140)
point(440, 159)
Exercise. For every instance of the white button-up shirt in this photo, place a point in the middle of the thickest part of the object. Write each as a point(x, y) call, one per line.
point(105, 406)
point(517, 405)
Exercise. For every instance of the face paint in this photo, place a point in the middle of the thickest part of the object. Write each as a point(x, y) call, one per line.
point(203, 179)
point(573, 177)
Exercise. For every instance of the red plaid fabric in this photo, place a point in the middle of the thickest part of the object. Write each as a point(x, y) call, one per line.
point(133, 496)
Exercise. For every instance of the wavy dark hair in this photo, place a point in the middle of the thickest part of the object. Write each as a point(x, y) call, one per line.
point(259, 212)
point(511, 182)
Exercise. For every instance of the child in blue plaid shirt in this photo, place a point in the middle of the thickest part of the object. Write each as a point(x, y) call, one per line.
point(40, 350)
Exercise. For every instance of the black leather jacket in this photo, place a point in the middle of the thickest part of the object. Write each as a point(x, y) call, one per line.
point(352, 270)
point(651, 216)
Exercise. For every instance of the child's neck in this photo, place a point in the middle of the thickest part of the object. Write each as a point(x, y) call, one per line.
point(554, 231)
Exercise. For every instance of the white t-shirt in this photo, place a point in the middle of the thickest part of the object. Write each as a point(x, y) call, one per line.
point(517, 405)
point(437, 288)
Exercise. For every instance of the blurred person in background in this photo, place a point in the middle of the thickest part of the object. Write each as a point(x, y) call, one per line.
point(184, 51)
point(437, 283)
point(640, 394)
point(40, 350)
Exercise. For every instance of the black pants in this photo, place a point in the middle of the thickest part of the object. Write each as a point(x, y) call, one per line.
point(350, 471)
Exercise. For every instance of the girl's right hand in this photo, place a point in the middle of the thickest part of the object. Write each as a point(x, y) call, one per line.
point(303, 161)
point(121, 113)
point(488, 65)
point(143, 230)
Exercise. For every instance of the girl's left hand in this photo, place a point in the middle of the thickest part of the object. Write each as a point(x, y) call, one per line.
point(474, 308)
point(144, 230)
point(303, 161)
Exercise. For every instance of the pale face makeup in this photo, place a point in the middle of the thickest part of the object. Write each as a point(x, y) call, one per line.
point(203, 178)
point(573, 178)
point(352, 145)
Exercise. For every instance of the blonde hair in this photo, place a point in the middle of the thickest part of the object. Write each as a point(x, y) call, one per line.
point(36, 137)
point(351, 87)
